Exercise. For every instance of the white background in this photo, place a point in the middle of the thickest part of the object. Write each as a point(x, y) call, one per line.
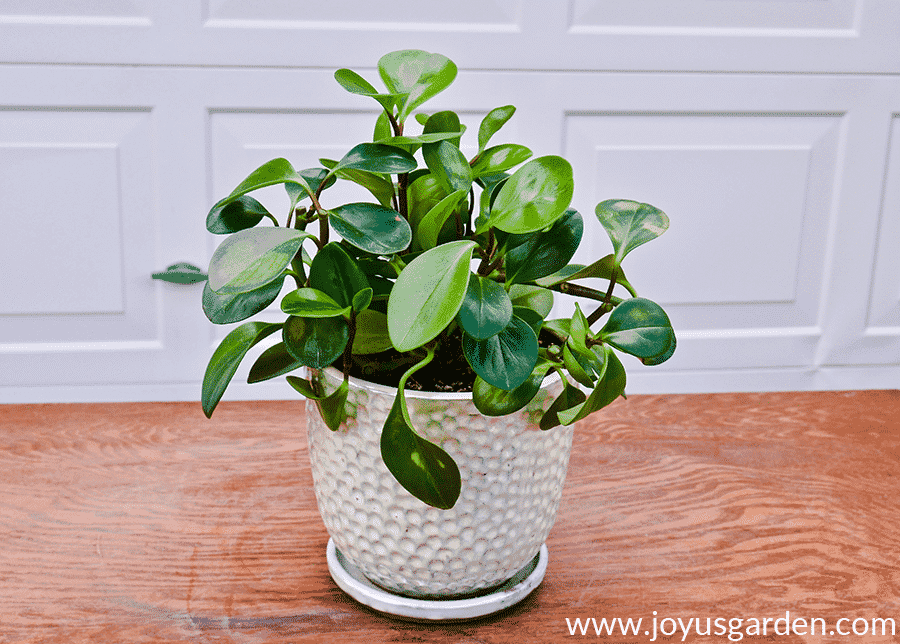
point(768, 130)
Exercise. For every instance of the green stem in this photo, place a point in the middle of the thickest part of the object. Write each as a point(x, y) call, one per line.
point(424, 361)
point(607, 305)
point(298, 278)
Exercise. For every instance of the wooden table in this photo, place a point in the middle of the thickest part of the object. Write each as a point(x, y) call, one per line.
point(134, 523)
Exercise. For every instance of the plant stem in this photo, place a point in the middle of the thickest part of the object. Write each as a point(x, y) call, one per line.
point(607, 305)
point(582, 291)
point(487, 259)
point(402, 185)
point(323, 230)
point(348, 350)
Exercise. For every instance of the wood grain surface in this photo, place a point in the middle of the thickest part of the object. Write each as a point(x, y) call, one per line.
point(148, 523)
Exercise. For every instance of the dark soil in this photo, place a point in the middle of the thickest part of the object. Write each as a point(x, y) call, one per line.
point(448, 371)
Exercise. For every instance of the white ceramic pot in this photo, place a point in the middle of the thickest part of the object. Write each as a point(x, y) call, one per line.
point(512, 480)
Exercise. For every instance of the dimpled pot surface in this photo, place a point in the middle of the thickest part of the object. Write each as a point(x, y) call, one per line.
point(512, 480)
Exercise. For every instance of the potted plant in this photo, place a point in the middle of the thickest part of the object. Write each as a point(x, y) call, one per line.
point(444, 279)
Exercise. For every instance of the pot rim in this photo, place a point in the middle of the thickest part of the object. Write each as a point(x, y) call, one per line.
point(415, 393)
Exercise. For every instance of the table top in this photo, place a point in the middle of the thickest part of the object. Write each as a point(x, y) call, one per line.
point(146, 522)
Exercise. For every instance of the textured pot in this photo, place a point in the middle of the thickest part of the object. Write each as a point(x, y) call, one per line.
point(512, 480)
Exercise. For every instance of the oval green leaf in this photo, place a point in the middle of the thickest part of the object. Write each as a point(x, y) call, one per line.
point(225, 360)
point(499, 158)
point(416, 73)
point(504, 360)
point(630, 224)
point(610, 386)
point(315, 342)
point(337, 274)
point(332, 407)
point(252, 258)
point(491, 123)
point(571, 396)
point(371, 333)
point(448, 165)
point(423, 469)
point(535, 196)
point(545, 252)
point(429, 227)
point(602, 269)
point(268, 174)
point(535, 298)
point(486, 309)
point(377, 157)
point(372, 227)
point(491, 401)
point(271, 363)
point(428, 294)
point(312, 303)
point(639, 327)
point(239, 214)
point(181, 273)
point(226, 308)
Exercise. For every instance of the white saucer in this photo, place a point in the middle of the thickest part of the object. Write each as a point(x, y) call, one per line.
point(353, 582)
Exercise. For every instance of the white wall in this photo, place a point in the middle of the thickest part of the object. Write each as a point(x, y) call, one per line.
point(769, 131)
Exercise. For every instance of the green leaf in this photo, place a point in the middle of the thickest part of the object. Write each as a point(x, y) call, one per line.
point(225, 360)
point(602, 268)
point(662, 357)
point(226, 308)
point(356, 84)
point(363, 299)
point(445, 122)
point(273, 362)
point(533, 318)
point(428, 294)
point(383, 127)
point(381, 188)
point(499, 158)
point(312, 303)
point(372, 228)
point(448, 165)
point(545, 252)
point(534, 297)
point(422, 468)
point(314, 178)
point(610, 386)
point(582, 373)
point(430, 225)
point(535, 196)
point(504, 360)
point(639, 327)
point(181, 273)
point(315, 342)
point(570, 397)
point(371, 333)
point(418, 74)
point(332, 407)
point(491, 123)
point(630, 224)
point(337, 274)
point(492, 401)
point(486, 309)
point(424, 194)
point(239, 214)
point(250, 259)
point(422, 139)
point(268, 174)
point(377, 157)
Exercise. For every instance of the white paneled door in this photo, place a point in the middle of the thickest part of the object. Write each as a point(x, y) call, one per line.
point(769, 131)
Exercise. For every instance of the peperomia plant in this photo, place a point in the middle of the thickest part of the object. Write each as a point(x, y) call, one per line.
point(453, 256)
